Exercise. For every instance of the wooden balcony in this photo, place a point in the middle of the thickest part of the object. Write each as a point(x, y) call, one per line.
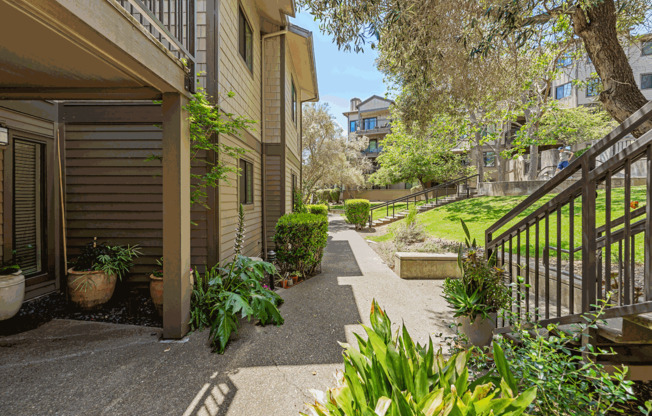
point(102, 49)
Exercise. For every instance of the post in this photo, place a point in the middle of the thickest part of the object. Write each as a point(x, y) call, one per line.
point(176, 216)
point(589, 257)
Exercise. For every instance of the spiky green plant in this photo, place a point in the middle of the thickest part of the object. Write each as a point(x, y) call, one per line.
point(240, 232)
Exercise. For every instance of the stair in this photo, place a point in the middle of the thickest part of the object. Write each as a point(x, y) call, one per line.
point(421, 208)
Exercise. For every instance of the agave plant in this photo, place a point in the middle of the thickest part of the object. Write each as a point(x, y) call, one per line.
point(389, 375)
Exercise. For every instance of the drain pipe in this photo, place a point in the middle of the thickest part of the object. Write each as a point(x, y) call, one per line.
point(262, 128)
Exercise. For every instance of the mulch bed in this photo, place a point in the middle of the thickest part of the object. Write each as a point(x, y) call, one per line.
point(128, 306)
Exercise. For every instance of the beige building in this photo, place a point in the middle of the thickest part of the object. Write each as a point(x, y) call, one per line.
point(371, 118)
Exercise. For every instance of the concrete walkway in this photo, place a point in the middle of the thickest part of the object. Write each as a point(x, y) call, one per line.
point(73, 367)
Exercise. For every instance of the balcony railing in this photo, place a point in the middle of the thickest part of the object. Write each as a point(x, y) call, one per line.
point(173, 24)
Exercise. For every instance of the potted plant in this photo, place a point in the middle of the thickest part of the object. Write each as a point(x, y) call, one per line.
point(12, 288)
point(478, 295)
point(156, 285)
point(93, 275)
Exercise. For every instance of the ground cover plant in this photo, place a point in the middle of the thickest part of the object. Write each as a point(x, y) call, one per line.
point(482, 212)
point(234, 288)
point(391, 375)
point(300, 240)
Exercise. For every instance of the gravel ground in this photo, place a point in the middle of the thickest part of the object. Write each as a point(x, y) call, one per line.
point(128, 306)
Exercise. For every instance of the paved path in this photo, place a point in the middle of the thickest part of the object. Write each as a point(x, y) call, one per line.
point(73, 367)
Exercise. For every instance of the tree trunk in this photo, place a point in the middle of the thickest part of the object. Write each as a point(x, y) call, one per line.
point(534, 163)
point(596, 26)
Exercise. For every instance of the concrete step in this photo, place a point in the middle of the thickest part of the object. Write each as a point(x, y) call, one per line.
point(626, 330)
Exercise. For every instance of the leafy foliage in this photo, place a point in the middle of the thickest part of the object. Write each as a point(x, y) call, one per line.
point(319, 209)
point(10, 265)
point(481, 290)
point(328, 156)
point(236, 288)
point(421, 155)
point(206, 121)
point(357, 212)
point(550, 359)
point(298, 205)
point(112, 260)
point(389, 375)
point(300, 242)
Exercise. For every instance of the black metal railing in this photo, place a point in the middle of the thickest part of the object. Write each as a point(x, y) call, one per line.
point(563, 265)
point(173, 24)
point(458, 187)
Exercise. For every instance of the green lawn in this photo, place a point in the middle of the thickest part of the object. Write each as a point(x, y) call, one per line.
point(480, 213)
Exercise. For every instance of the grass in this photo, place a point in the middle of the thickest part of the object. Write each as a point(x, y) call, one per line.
point(480, 213)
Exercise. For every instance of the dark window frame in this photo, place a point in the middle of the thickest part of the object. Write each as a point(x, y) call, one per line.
point(592, 88)
point(246, 182)
point(649, 74)
point(644, 46)
point(353, 126)
point(570, 90)
point(486, 156)
point(245, 35)
point(364, 123)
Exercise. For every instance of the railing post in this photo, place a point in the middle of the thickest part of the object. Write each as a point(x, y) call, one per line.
point(647, 270)
point(588, 236)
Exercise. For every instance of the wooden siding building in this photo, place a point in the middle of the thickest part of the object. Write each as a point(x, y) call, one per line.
point(101, 142)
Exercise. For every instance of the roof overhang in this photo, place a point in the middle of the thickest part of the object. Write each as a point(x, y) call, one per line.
point(276, 10)
point(301, 47)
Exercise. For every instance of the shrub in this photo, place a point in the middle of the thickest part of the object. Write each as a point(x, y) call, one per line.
point(319, 209)
point(226, 291)
point(335, 195)
point(323, 195)
point(298, 205)
point(117, 260)
point(481, 290)
point(357, 212)
point(235, 288)
point(389, 375)
point(410, 230)
point(300, 241)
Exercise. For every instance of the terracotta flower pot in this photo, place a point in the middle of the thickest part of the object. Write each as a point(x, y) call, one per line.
point(90, 289)
point(295, 279)
point(480, 331)
point(156, 290)
point(12, 293)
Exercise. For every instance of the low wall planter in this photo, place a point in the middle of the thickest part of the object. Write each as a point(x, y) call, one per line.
point(426, 265)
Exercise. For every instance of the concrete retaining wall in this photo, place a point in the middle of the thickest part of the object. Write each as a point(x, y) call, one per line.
point(516, 188)
point(426, 265)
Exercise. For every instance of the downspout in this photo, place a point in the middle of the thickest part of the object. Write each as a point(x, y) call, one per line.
point(262, 128)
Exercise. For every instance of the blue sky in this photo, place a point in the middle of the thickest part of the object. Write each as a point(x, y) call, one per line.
point(341, 75)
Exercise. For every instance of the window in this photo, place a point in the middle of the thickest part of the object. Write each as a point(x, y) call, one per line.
point(353, 126)
point(373, 145)
point(592, 88)
point(563, 91)
point(489, 159)
point(295, 188)
point(246, 41)
point(646, 81)
point(369, 123)
point(294, 103)
point(246, 182)
point(646, 48)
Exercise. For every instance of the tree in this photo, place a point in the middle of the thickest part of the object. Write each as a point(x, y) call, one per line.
point(414, 36)
point(329, 159)
point(422, 155)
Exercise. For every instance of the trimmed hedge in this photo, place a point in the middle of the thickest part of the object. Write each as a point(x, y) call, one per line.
point(319, 209)
point(357, 212)
point(328, 195)
point(300, 241)
point(335, 195)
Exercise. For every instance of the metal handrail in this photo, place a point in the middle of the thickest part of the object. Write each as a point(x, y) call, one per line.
point(415, 195)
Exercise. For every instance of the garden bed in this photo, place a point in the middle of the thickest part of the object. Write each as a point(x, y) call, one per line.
point(128, 306)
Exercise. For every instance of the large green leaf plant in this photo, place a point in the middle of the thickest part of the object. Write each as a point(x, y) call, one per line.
point(393, 376)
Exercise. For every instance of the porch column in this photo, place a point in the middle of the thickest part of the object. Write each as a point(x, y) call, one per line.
point(176, 216)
